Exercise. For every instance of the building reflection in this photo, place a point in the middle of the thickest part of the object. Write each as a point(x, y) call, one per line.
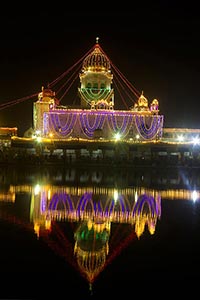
point(88, 224)
point(94, 216)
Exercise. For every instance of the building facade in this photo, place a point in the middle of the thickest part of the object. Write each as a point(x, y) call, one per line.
point(96, 116)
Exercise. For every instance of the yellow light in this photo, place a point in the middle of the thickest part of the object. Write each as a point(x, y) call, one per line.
point(117, 136)
point(116, 195)
point(37, 189)
point(180, 138)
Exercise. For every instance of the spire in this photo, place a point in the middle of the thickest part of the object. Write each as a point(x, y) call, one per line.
point(97, 40)
point(90, 288)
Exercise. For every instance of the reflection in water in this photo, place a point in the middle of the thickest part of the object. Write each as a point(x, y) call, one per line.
point(88, 225)
point(93, 234)
point(92, 247)
point(92, 216)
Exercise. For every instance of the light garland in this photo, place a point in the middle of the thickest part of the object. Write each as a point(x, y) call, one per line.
point(99, 94)
point(63, 124)
point(126, 208)
point(98, 123)
point(125, 125)
point(150, 132)
point(63, 129)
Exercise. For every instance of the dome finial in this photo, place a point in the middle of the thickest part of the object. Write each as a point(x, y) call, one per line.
point(97, 40)
point(90, 288)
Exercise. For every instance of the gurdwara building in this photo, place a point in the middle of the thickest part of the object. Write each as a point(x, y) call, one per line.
point(96, 117)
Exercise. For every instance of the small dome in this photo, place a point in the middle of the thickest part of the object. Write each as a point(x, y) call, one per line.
point(142, 101)
point(96, 61)
point(155, 102)
point(46, 93)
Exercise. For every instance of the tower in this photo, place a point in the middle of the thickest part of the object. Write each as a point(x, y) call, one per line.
point(44, 104)
point(96, 79)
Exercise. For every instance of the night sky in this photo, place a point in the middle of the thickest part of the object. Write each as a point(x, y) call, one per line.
point(155, 46)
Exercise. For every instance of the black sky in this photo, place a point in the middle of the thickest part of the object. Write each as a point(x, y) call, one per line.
point(155, 46)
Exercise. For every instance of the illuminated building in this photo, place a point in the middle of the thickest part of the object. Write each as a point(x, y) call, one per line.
point(96, 116)
point(6, 133)
point(94, 129)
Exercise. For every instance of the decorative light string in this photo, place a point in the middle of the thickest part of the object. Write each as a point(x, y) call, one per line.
point(63, 124)
point(107, 207)
point(98, 122)
point(96, 94)
point(148, 201)
point(63, 129)
point(59, 198)
point(83, 202)
point(124, 126)
point(146, 132)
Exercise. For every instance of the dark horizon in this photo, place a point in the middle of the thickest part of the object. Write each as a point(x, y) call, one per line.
point(155, 48)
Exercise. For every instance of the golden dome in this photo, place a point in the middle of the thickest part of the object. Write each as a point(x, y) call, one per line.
point(155, 102)
point(91, 247)
point(142, 101)
point(96, 60)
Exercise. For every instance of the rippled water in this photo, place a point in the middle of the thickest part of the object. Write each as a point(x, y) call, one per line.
point(99, 233)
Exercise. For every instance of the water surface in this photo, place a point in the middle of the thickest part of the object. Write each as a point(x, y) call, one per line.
point(102, 233)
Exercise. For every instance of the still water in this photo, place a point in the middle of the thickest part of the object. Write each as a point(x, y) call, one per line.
point(96, 233)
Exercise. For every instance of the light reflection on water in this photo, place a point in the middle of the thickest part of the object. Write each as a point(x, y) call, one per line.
point(89, 218)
